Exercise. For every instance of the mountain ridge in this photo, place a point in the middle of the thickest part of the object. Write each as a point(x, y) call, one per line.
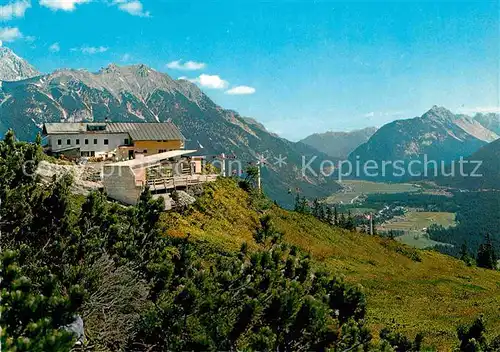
point(137, 93)
point(489, 120)
point(339, 144)
point(438, 134)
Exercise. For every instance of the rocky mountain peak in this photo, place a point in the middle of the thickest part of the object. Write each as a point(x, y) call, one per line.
point(110, 68)
point(438, 134)
point(439, 113)
point(13, 67)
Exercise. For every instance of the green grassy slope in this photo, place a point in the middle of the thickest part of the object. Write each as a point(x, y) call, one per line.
point(417, 290)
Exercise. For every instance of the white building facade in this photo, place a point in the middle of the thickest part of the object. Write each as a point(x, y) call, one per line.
point(99, 144)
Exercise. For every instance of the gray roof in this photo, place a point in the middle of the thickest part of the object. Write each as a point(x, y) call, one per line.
point(138, 131)
point(65, 127)
point(147, 131)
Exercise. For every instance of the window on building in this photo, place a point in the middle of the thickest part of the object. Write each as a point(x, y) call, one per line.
point(92, 153)
point(126, 141)
point(68, 141)
point(95, 140)
point(86, 141)
point(59, 142)
point(77, 142)
point(106, 142)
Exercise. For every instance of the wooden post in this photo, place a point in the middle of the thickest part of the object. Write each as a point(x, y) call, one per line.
point(223, 165)
point(371, 224)
point(259, 182)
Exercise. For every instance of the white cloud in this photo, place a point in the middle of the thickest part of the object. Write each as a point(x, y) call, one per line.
point(14, 9)
point(133, 7)
point(241, 90)
point(94, 50)
point(211, 81)
point(65, 5)
point(91, 49)
point(384, 115)
point(9, 34)
point(186, 66)
point(55, 48)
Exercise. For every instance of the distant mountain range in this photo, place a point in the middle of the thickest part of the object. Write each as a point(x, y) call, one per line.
point(439, 134)
point(491, 121)
point(28, 99)
point(139, 93)
point(339, 144)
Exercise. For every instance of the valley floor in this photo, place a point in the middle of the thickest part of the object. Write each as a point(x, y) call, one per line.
point(414, 225)
point(353, 190)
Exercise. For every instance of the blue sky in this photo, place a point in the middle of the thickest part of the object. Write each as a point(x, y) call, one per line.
point(297, 66)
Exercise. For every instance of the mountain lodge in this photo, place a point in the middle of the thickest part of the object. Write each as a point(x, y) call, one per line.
point(145, 155)
point(122, 140)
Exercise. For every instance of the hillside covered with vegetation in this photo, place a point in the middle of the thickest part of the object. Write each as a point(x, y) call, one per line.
point(412, 290)
point(231, 272)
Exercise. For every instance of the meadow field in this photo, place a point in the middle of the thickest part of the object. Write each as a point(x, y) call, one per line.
point(415, 223)
point(352, 190)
